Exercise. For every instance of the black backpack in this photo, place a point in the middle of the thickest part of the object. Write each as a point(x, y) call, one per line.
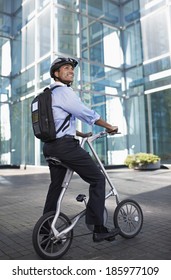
point(42, 117)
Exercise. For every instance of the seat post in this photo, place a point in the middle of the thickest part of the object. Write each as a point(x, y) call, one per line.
point(67, 178)
point(65, 185)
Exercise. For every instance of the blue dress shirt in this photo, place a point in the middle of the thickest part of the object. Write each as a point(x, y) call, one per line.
point(65, 101)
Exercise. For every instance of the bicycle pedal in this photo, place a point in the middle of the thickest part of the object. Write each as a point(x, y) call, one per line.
point(81, 197)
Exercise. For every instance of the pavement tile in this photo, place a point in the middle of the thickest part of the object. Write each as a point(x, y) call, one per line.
point(22, 196)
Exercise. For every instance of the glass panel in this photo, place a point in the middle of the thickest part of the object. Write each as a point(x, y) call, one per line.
point(17, 23)
point(27, 81)
point(4, 86)
point(116, 145)
point(43, 44)
point(104, 79)
point(157, 66)
point(83, 6)
point(95, 8)
point(27, 137)
point(121, 1)
point(5, 25)
point(42, 3)
point(111, 150)
point(95, 101)
point(22, 141)
point(135, 114)
point(67, 3)
point(130, 11)
point(135, 81)
point(16, 87)
point(66, 38)
point(43, 73)
point(23, 84)
point(97, 41)
point(160, 119)
point(104, 10)
point(111, 13)
point(16, 128)
point(16, 55)
point(155, 33)
point(5, 131)
point(156, 83)
point(5, 57)
point(28, 45)
point(157, 73)
point(15, 4)
point(95, 32)
point(28, 11)
point(5, 6)
point(132, 45)
point(149, 6)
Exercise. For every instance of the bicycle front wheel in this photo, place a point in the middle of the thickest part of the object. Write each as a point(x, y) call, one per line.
point(44, 242)
point(128, 216)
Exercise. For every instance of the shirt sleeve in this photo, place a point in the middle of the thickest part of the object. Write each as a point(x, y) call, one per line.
point(71, 103)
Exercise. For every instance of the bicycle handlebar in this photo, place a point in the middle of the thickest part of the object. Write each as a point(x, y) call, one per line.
point(98, 135)
point(102, 133)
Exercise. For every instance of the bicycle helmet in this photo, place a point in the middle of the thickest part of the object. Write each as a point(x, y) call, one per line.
point(60, 61)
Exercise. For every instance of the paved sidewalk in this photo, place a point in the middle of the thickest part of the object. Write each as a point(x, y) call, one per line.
point(22, 195)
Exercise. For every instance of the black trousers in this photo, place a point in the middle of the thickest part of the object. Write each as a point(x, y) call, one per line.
point(68, 150)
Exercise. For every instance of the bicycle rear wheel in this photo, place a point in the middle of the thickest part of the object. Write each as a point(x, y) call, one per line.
point(128, 216)
point(44, 242)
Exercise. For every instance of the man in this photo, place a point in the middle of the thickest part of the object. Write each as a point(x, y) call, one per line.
point(66, 148)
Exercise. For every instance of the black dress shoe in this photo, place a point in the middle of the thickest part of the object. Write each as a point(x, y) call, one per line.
point(105, 234)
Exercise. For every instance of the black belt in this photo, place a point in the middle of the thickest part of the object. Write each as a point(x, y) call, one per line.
point(67, 136)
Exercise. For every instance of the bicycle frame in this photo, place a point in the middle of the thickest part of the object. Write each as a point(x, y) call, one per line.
point(66, 182)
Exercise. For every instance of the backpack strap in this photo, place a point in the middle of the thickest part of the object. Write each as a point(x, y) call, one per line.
point(54, 87)
point(65, 124)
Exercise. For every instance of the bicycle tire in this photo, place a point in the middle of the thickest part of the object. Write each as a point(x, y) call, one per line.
point(44, 242)
point(128, 216)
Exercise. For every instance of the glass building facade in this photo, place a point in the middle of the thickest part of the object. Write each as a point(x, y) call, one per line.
point(124, 53)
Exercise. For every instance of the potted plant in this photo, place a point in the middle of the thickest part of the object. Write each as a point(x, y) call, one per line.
point(143, 161)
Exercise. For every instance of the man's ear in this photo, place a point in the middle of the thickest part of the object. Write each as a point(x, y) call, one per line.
point(56, 73)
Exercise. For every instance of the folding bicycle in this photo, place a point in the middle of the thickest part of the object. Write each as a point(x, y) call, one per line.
point(53, 232)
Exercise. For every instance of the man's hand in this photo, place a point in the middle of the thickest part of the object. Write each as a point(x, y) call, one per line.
point(113, 130)
point(109, 128)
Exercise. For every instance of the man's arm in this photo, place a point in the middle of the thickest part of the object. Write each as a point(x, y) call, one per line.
point(100, 122)
point(83, 135)
point(109, 128)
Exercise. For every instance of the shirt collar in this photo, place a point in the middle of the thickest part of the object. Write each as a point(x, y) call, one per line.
point(58, 84)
